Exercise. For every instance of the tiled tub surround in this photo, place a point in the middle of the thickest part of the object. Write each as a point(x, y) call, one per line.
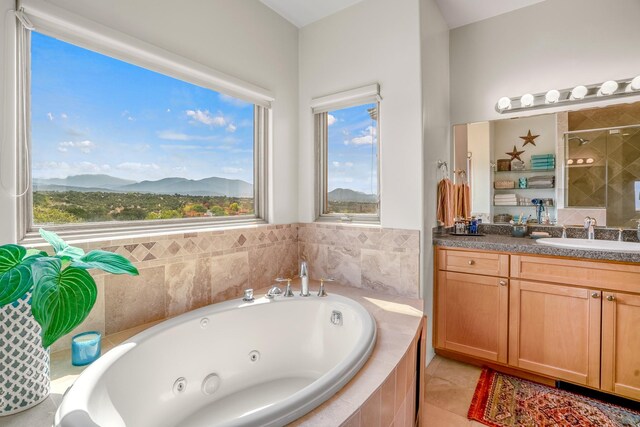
point(182, 272)
point(185, 271)
point(380, 259)
point(383, 393)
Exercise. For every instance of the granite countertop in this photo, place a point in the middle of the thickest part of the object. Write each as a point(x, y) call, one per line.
point(526, 245)
point(397, 320)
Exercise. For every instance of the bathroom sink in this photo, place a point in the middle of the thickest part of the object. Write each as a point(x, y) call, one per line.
point(603, 245)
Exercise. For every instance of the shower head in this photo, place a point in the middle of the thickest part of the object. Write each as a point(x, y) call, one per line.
point(582, 140)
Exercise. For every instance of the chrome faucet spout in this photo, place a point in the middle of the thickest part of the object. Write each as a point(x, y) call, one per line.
point(304, 279)
point(589, 225)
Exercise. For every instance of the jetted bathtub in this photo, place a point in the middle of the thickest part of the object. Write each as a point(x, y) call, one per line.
point(236, 363)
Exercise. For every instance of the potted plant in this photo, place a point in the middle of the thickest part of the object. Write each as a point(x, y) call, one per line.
point(42, 298)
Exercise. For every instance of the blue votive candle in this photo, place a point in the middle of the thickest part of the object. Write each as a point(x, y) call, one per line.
point(85, 348)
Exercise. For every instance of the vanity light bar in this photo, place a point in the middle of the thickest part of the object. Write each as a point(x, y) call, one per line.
point(576, 95)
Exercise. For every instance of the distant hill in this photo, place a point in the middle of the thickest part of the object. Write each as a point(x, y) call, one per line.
point(85, 181)
point(213, 186)
point(347, 195)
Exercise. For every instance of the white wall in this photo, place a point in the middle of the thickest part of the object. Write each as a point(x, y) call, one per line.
point(372, 41)
point(247, 40)
point(553, 44)
point(434, 56)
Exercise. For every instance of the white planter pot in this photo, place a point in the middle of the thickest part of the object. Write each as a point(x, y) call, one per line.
point(24, 363)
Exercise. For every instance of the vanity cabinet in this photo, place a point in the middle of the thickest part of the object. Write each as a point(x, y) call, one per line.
point(621, 344)
point(555, 330)
point(472, 313)
point(567, 319)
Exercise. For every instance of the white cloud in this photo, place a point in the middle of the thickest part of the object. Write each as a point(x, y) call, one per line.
point(205, 117)
point(50, 117)
point(367, 137)
point(345, 164)
point(349, 164)
point(233, 101)
point(62, 169)
point(64, 116)
point(177, 136)
point(232, 170)
point(168, 110)
point(84, 146)
point(136, 166)
point(336, 164)
point(331, 119)
point(231, 128)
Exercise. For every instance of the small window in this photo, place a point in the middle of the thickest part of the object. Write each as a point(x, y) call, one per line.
point(348, 162)
point(112, 141)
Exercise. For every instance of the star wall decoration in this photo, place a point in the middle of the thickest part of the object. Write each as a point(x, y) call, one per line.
point(529, 139)
point(515, 154)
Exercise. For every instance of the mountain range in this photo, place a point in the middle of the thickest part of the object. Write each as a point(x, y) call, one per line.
point(213, 186)
point(348, 195)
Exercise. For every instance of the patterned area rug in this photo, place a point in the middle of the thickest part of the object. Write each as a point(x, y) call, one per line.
point(503, 401)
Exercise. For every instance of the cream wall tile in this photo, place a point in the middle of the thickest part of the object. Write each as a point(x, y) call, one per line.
point(132, 301)
point(225, 275)
point(390, 272)
point(184, 292)
point(343, 264)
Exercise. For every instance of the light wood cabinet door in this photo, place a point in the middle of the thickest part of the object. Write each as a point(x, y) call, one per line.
point(472, 315)
point(555, 330)
point(476, 262)
point(621, 344)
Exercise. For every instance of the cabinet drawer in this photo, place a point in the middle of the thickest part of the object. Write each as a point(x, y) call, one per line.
point(485, 263)
point(602, 275)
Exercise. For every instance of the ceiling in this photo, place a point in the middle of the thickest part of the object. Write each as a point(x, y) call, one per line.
point(304, 12)
point(456, 12)
point(462, 12)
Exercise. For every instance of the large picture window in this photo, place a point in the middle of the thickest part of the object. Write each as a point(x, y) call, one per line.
point(112, 141)
point(348, 160)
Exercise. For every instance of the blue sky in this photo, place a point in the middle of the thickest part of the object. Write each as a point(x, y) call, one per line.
point(94, 114)
point(352, 152)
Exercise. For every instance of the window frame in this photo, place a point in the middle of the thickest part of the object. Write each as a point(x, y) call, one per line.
point(60, 24)
point(320, 109)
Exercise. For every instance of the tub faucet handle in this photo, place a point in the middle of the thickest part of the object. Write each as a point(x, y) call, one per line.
point(287, 292)
point(248, 295)
point(321, 291)
point(564, 231)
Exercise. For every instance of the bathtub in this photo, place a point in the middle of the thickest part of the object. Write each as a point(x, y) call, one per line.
point(260, 363)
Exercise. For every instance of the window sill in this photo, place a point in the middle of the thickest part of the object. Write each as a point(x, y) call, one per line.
point(102, 233)
point(355, 221)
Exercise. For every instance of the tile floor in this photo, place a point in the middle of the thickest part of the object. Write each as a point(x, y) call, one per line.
point(449, 389)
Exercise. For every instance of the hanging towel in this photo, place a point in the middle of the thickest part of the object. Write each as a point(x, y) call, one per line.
point(462, 201)
point(445, 211)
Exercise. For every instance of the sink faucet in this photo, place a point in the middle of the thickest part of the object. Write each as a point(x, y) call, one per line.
point(589, 224)
point(304, 279)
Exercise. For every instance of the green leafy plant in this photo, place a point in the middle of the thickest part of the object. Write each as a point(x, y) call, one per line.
point(62, 291)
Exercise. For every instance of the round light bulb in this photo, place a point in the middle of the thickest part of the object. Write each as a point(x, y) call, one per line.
point(608, 88)
point(552, 96)
point(635, 83)
point(504, 103)
point(570, 161)
point(589, 160)
point(580, 161)
point(579, 92)
point(526, 100)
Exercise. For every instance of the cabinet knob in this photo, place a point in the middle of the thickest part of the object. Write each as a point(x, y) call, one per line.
point(503, 282)
point(610, 298)
point(471, 262)
point(595, 295)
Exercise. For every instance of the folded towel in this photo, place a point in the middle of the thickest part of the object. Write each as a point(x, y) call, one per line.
point(543, 156)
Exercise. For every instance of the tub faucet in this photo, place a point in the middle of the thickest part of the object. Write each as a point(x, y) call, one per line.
point(589, 224)
point(304, 279)
point(287, 291)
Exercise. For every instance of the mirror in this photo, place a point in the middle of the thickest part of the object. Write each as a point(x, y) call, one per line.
point(554, 168)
